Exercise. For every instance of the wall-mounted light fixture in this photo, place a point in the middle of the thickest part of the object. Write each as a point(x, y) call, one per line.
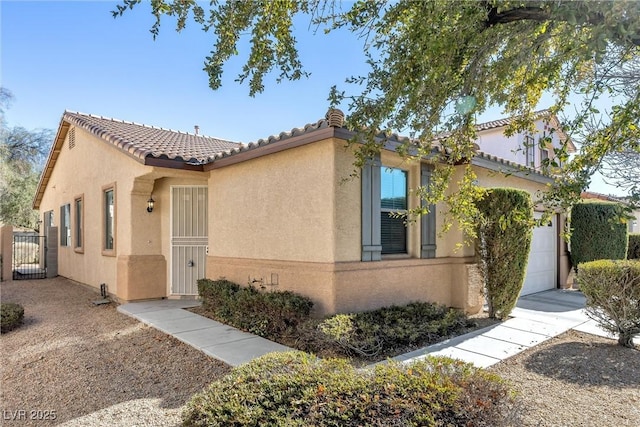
point(150, 204)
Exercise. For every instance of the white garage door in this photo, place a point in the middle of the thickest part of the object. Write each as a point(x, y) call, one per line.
point(541, 269)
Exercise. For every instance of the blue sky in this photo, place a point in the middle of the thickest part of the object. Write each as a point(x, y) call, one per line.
point(74, 55)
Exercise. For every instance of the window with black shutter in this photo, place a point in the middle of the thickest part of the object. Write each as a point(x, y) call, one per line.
point(393, 203)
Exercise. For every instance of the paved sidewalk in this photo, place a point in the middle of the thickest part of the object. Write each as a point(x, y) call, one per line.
point(536, 318)
point(216, 339)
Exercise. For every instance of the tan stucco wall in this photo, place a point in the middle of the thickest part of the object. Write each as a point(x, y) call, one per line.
point(277, 207)
point(293, 218)
point(357, 286)
point(6, 247)
point(302, 205)
point(273, 240)
point(139, 267)
point(492, 179)
point(85, 170)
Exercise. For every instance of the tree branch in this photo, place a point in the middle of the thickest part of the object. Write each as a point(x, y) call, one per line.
point(534, 13)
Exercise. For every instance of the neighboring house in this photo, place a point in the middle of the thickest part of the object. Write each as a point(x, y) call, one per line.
point(280, 213)
point(530, 149)
point(633, 223)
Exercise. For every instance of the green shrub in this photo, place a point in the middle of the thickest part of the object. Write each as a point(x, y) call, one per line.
point(216, 296)
point(297, 389)
point(612, 288)
point(11, 316)
point(371, 333)
point(268, 314)
point(633, 252)
point(597, 232)
point(502, 246)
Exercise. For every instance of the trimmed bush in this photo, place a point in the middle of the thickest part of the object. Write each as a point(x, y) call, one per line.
point(598, 231)
point(612, 288)
point(502, 246)
point(11, 316)
point(372, 333)
point(633, 251)
point(268, 314)
point(297, 389)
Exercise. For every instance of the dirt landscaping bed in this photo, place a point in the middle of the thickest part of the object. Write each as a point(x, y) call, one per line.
point(576, 379)
point(77, 364)
point(89, 365)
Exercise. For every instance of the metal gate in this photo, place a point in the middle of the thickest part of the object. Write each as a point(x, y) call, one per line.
point(29, 256)
point(188, 238)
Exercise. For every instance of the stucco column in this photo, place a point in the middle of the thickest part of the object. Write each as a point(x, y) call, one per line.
point(6, 251)
point(142, 268)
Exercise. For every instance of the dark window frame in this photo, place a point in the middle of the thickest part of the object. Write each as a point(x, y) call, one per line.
point(109, 220)
point(393, 230)
point(65, 225)
point(78, 225)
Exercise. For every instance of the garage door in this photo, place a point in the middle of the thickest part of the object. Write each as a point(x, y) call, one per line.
point(541, 269)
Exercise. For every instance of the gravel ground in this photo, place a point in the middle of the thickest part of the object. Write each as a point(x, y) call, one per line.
point(93, 366)
point(90, 365)
point(576, 379)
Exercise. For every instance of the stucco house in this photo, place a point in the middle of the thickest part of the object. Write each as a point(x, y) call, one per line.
point(279, 213)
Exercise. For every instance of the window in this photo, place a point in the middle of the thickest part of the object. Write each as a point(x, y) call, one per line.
point(530, 150)
point(65, 225)
point(544, 156)
point(79, 223)
point(384, 190)
point(109, 220)
point(393, 199)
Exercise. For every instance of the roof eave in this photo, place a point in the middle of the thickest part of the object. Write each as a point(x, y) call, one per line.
point(61, 134)
point(498, 165)
point(245, 154)
point(173, 163)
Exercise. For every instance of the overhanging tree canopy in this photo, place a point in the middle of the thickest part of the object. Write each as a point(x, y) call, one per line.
point(434, 65)
point(21, 155)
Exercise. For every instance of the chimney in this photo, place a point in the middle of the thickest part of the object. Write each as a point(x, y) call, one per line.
point(335, 118)
point(197, 129)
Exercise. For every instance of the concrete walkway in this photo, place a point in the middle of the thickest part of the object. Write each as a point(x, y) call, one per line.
point(216, 339)
point(537, 318)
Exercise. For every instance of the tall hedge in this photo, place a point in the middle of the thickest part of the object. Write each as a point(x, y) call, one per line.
point(597, 232)
point(502, 247)
point(633, 252)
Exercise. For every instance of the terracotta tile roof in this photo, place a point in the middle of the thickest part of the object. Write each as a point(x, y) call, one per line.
point(600, 196)
point(142, 141)
point(241, 148)
point(507, 121)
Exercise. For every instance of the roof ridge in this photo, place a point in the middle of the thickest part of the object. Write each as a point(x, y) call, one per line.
point(296, 131)
point(113, 119)
point(508, 119)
